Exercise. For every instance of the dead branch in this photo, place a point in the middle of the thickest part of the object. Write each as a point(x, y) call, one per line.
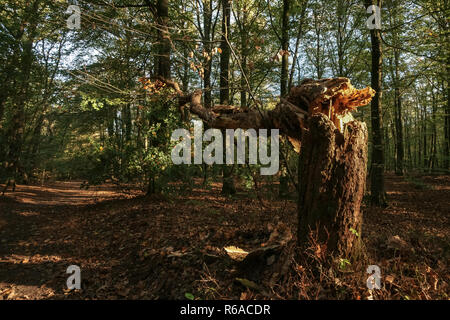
point(334, 97)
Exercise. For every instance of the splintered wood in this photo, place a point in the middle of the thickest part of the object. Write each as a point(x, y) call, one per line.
point(335, 97)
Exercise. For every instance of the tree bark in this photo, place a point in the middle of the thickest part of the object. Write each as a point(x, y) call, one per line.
point(228, 186)
point(378, 195)
point(207, 21)
point(284, 179)
point(447, 121)
point(162, 60)
point(399, 148)
point(332, 175)
point(225, 55)
point(244, 34)
point(285, 48)
point(164, 46)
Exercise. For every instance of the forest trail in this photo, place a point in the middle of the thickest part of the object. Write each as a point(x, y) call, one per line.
point(34, 227)
point(164, 247)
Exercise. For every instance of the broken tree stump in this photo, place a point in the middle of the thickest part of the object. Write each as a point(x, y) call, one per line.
point(332, 149)
point(332, 176)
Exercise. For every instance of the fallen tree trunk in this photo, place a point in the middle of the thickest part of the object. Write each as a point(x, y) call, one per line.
point(332, 176)
point(334, 97)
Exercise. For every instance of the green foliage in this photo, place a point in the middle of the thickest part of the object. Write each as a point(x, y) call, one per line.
point(189, 296)
point(71, 102)
point(343, 263)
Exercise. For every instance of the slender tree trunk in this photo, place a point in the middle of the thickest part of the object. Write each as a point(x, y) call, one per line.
point(433, 155)
point(408, 144)
point(225, 55)
point(297, 42)
point(284, 179)
point(208, 35)
point(207, 21)
point(228, 186)
point(424, 136)
point(126, 112)
point(399, 148)
point(244, 53)
point(389, 154)
point(285, 48)
point(447, 121)
point(419, 137)
point(378, 195)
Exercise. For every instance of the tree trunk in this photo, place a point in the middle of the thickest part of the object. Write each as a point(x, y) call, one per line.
point(227, 171)
point(225, 55)
point(398, 118)
point(332, 175)
point(432, 161)
point(284, 179)
point(424, 135)
point(207, 21)
point(378, 196)
point(285, 48)
point(447, 121)
point(162, 60)
point(164, 48)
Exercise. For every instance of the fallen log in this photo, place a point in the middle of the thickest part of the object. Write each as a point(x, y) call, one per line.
point(334, 97)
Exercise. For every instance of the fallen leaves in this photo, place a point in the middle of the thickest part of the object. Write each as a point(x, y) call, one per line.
point(236, 253)
point(397, 243)
point(168, 245)
point(247, 283)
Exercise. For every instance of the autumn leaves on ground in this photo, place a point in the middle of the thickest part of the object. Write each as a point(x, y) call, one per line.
point(172, 246)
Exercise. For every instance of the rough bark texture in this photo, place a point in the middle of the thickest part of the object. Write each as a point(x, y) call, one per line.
point(332, 177)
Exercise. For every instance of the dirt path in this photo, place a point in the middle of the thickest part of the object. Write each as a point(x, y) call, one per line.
point(36, 239)
point(163, 247)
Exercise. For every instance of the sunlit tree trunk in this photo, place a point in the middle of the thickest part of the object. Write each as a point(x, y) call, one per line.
point(332, 176)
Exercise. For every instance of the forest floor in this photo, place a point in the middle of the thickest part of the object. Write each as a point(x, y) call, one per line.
point(164, 247)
